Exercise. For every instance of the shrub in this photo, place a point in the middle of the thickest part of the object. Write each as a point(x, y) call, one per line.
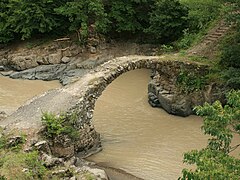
point(60, 125)
point(129, 15)
point(6, 33)
point(221, 124)
point(189, 81)
point(232, 77)
point(230, 56)
point(27, 17)
point(187, 40)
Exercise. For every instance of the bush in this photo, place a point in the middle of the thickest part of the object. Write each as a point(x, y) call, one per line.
point(221, 124)
point(160, 19)
point(189, 81)
point(230, 56)
point(187, 40)
point(6, 33)
point(60, 125)
point(25, 18)
point(232, 77)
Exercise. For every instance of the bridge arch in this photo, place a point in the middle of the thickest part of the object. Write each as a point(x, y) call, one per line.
point(95, 82)
point(79, 99)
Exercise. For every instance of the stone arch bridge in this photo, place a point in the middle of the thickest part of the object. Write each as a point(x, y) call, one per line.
point(80, 96)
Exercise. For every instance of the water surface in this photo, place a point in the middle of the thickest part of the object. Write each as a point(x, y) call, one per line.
point(141, 140)
point(14, 92)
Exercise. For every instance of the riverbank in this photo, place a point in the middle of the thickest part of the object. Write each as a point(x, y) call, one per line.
point(63, 60)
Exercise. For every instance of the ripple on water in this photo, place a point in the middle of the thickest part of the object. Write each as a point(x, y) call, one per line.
point(144, 141)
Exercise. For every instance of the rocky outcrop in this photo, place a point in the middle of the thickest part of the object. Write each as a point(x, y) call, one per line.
point(65, 73)
point(63, 61)
point(164, 92)
point(26, 57)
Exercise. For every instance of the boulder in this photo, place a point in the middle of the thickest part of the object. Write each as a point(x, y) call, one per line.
point(2, 68)
point(65, 60)
point(94, 173)
point(55, 58)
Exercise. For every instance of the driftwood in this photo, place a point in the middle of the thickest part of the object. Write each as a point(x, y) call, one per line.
point(62, 39)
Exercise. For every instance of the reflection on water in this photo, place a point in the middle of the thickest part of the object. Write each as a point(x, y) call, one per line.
point(144, 141)
point(14, 92)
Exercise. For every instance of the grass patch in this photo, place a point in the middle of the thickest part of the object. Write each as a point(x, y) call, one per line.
point(16, 164)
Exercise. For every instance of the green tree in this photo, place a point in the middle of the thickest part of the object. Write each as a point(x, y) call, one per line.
point(25, 18)
point(81, 14)
point(214, 161)
point(129, 15)
point(6, 33)
point(167, 20)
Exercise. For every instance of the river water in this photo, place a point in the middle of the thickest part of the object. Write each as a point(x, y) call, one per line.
point(141, 140)
point(14, 92)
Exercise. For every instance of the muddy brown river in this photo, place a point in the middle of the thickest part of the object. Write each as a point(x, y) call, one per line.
point(141, 140)
point(14, 92)
point(138, 139)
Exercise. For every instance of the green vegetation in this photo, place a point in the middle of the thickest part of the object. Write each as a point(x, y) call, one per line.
point(202, 16)
point(221, 123)
point(60, 125)
point(167, 20)
point(16, 164)
point(190, 81)
point(163, 20)
point(230, 49)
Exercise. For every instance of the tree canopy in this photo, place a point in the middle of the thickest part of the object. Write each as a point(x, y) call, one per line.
point(26, 18)
point(221, 123)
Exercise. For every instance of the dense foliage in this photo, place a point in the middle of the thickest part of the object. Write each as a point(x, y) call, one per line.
point(230, 50)
point(168, 20)
point(25, 18)
point(201, 13)
point(220, 123)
